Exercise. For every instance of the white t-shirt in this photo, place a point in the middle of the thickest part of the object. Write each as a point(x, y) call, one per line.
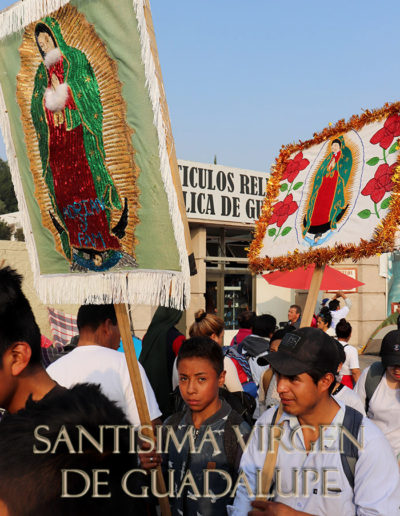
point(384, 408)
point(349, 398)
point(376, 480)
point(351, 359)
point(331, 332)
point(108, 368)
point(342, 313)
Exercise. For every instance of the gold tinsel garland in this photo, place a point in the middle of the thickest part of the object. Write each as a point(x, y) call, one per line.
point(383, 239)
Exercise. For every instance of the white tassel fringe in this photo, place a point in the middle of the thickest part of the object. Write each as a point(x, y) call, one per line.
point(19, 15)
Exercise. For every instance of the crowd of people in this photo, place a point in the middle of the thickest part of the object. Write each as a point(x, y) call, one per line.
point(279, 422)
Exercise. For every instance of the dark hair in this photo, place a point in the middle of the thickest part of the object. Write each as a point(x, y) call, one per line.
point(206, 324)
point(316, 376)
point(41, 27)
point(334, 304)
point(246, 319)
point(17, 322)
point(325, 315)
point(264, 325)
point(337, 141)
point(38, 475)
point(297, 307)
point(202, 347)
point(343, 329)
point(279, 334)
point(93, 315)
point(342, 354)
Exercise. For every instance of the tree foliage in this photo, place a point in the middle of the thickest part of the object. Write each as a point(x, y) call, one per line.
point(8, 201)
point(5, 231)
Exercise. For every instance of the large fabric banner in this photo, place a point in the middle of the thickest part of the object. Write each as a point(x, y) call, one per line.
point(332, 197)
point(84, 118)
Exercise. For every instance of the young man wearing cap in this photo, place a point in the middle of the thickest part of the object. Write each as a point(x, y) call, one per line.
point(379, 389)
point(309, 470)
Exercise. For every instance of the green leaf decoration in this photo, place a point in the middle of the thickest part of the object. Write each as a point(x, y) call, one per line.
point(271, 232)
point(286, 231)
point(385, 203)
point(298, 185)
point(393, 148)
point(372, 162)
point(284, 187)
point(364, 214)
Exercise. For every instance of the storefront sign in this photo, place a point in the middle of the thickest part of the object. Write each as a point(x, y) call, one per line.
point(215, 192)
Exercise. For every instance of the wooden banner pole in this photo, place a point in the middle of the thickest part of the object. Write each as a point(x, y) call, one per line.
point(136, 380)
point(312, 296)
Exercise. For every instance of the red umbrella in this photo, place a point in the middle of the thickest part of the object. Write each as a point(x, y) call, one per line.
point(301, 279)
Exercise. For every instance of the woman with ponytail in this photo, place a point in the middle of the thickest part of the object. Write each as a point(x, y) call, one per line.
point(210, 325)
point(324, 321)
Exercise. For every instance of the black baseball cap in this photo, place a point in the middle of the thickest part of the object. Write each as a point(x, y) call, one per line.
point(390, 349)
point(305, 350)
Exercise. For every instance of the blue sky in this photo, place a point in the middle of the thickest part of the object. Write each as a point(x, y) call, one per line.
point(244, 78)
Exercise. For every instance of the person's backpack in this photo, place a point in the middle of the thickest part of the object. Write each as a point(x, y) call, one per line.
point(249, 386)
point(372, 380)
point(231, 445)
point(349, 453)
point(241, 402)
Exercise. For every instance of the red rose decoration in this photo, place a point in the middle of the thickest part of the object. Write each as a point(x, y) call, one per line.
point(390, 130)
point(294, 166)
point(380, 183)
point(282, 210)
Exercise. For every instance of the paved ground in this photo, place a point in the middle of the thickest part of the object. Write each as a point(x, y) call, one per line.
point(366, 360)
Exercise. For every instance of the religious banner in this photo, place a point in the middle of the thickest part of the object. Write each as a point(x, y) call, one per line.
point(89, 144)
point(332, 197)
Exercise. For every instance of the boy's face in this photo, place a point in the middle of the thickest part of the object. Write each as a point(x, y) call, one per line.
point(199, 384)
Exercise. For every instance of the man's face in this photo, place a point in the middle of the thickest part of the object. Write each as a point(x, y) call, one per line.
point(299, 394)
point(293, 315)
point(393, 372)
point(199, 384)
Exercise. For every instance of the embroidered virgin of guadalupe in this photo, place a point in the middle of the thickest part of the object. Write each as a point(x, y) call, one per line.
point(89, 143)
point(67, 114)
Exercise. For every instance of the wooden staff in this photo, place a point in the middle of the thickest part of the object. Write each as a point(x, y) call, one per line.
point(141, 403)
point(312, 296)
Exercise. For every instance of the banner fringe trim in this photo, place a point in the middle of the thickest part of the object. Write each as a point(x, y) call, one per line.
point(166, 174)
point(21, 14)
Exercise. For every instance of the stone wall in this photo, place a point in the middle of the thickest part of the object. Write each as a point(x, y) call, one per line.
point(16, 256)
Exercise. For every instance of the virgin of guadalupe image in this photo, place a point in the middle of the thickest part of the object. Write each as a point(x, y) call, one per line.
point(327, 202)
point(67, 114)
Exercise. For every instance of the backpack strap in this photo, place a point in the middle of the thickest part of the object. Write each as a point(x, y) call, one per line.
point(235, 342)
point(352, 421)
point(244, 364)
point(268, 470)
point(374, 376)
point(232, 449)
point(266, 379)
